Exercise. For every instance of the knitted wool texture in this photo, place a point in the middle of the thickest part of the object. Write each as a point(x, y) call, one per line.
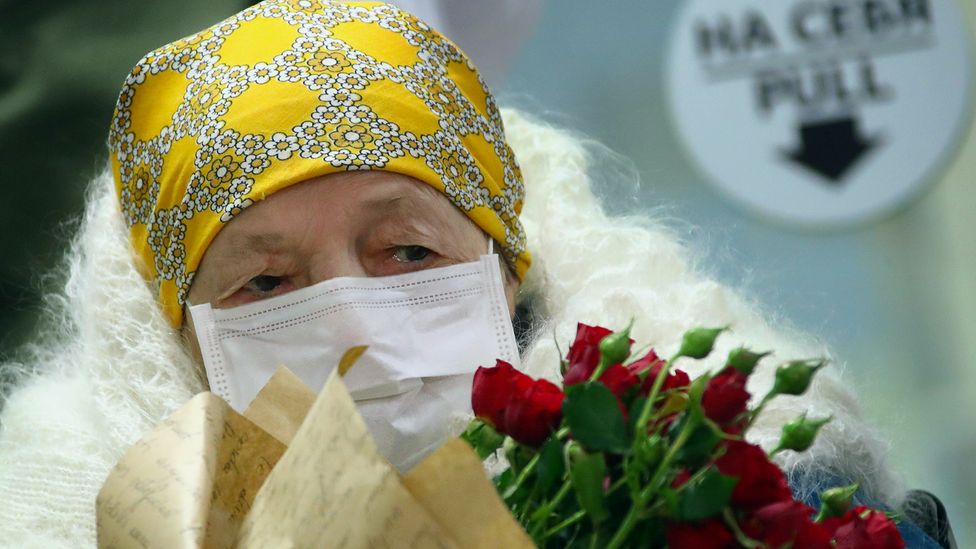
point(112, 367)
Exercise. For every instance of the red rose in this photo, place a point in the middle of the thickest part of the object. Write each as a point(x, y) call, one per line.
point(494, 388)
point(725, 397)
point(652, 364)
point(646, 362)
point(760, 481)
point(531, 417)
point(584, 353)
point(676, 380)
point(618, 379)
point(710, 534)
point(513, 403)
point(864, 528)
point(786, 523)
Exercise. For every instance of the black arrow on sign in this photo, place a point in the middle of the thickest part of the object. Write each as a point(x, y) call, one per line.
point(831, 147)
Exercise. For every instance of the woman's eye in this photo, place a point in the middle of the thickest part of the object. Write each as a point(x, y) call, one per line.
point(263, 283)
point(410, 254)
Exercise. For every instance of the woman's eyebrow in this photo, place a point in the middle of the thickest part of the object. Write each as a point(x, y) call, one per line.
point(388, 203)
point(406, 207)
point(249, 244)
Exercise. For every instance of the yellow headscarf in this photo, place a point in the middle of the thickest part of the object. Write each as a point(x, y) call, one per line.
point(288, 90)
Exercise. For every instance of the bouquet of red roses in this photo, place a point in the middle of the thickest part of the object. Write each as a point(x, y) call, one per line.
point(632, 452)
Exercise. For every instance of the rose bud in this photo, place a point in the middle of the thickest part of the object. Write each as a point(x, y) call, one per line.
point(584, 353)
point(483, 438)
point(744, 360)
point(698, 343)
point(799, 434)
point(795, 377)
point(650, 450)
point(836, 501)
point(615, 347)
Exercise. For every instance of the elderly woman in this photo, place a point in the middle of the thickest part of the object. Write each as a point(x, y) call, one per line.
point(307, 176)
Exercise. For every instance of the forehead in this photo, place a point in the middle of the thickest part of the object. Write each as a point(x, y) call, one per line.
point(342, 200)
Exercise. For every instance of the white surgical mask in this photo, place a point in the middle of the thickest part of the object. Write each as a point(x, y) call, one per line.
point(427, 332)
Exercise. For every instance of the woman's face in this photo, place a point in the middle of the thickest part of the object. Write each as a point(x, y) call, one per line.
point(348, 224)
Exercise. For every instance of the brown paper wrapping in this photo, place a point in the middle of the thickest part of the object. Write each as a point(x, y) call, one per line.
point(296, 470)
point(281, 406)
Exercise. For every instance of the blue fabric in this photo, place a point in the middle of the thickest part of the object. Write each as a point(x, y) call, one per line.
point(807, 488)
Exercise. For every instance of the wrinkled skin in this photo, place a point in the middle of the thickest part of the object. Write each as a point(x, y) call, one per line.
point(348, 224)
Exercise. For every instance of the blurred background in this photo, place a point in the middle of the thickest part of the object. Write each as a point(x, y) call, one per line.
point(895, 296)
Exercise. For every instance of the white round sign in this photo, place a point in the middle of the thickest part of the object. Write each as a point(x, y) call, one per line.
point(820, 112)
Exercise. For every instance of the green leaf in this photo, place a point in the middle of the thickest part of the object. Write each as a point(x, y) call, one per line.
point(649, 533)
point(695, 393)
point(670, 498)
point(634, 412)
point(551, 464)
point(505, 484)
point(516, 494)
point(586, 476)
point(698, 448)
point(707, 496)
point(595, 419)
point(504, 480)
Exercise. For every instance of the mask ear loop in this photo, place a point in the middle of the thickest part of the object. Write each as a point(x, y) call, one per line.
point(491, 245)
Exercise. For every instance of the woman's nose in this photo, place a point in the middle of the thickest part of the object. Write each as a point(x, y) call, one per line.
point(326, 266)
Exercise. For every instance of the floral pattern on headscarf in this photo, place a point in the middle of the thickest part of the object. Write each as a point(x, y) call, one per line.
point(288, 90)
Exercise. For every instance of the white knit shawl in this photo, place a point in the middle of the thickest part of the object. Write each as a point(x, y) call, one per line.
point(108, 367)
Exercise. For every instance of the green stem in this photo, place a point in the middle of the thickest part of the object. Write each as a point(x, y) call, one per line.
point(638, 506)
point(645, 415)
point(821, 514)
point(573, 519)
point(626, 526)
point(524, 511)
point(542, 513)
point(620, 482)
point(657, 505)
point(595, 540)
point(662, 468)
point(600, 367)
point(740, 536)
point(523, 475)
point(762, 404)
